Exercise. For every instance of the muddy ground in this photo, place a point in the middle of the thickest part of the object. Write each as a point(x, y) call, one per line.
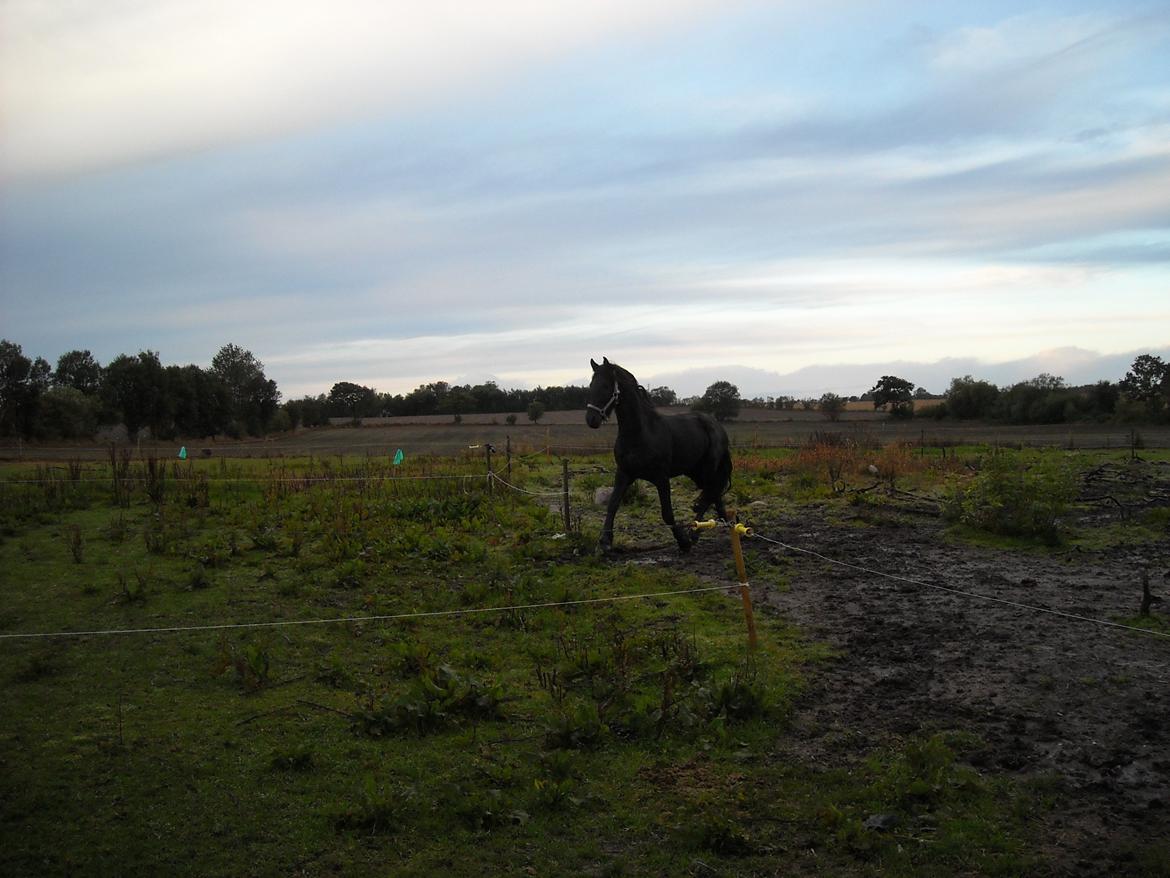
point(1082, 708)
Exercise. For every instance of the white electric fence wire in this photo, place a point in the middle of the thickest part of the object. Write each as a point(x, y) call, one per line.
point(508, 484)
point(971, 594)
point(184, 480)
point(385, 617)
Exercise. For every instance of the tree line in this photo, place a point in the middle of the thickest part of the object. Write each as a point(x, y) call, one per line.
point(234, 397)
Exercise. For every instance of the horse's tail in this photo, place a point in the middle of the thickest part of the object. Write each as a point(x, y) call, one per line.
point(720, 447)
point(725, 466)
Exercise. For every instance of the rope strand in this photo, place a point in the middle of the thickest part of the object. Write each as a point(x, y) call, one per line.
point(421, 614)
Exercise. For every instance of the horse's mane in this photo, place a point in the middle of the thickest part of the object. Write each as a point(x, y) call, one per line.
point(628, 377)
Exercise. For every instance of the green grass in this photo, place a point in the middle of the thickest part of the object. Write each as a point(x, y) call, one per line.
point(625, 738)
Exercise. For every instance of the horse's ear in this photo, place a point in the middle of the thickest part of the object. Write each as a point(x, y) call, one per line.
point(605, 360)
point(593, 364)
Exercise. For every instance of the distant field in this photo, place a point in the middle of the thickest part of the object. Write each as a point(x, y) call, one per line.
point(564, 432)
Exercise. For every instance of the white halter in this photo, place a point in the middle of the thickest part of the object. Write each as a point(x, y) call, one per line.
point(606, 409)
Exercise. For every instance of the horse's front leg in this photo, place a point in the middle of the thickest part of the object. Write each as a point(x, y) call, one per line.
point(620, 483)
point(682, 535)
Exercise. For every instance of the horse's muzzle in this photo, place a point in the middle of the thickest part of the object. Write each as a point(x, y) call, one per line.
point(592, 419)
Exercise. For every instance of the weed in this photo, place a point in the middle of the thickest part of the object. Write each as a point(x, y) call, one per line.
point(741, 697)
point(133, 591)
point(298, 759)
point(376, 812)
point(435, 700)
point(412, 659)
point(336, 674)
point(481, 811)
point(116, 528)
point(350, 573)
point(252, 663)
point(120, 474)
point(263, 537)
point(197, 578)
point(155, 480)
point(75, 542)
point(550, 794)
point(36, 667)
point(154, 534)
point(577, 729)
point(722, 836)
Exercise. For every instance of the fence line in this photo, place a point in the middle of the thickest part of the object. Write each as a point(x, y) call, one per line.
point(384, 617)
point(244, 480)
point(495, 477)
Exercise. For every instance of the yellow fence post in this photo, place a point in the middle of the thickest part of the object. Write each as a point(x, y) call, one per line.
point(738, 530)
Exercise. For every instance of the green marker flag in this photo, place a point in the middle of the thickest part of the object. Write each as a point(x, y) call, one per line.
point(183, 453)
point(398, 457)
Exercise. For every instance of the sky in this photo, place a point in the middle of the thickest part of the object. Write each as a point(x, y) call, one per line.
point(395, 193)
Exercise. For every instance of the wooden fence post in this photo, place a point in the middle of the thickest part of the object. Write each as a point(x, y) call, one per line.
point(565, 490)
point(744, 592)
point(487, 453)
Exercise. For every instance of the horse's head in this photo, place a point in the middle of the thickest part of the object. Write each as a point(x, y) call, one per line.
point(603, 393)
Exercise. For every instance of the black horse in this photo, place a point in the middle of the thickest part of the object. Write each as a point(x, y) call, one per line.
point(655, 447)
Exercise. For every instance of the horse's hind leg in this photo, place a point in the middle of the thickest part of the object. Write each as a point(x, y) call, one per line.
point(701, 505)
point(720, 509)
point(620, 483)
point(682, 535)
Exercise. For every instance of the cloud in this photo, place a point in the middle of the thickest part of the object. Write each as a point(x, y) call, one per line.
point(86, 85)
point(1020, 39)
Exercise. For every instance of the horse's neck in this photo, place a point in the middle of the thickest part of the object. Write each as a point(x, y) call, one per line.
point(634, 413)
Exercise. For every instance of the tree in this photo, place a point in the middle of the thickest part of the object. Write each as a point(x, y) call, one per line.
point(197, 401)
point(78, 369)
point(897, 393)
point(1148, 382)
point(22, 382)
point(535, 410)
point(308, 411)
point(720, 400)
point(1046, 381)
point(971, 398)
point(1103, 398)
point(832, 405)
point(350, 400)
point(67, 413)
point(663, 396)
point(252, 396)
point(135, 387)
point(460, 401)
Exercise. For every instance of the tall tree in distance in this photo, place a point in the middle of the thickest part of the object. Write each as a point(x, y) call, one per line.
point(79, 370)
point(135, 387)
point(1148, 382)
point(663, 396)
point(721, 400)
point(349, 400)
point(22, 382)
point(252, 397)
point(831, 406)
point(895, 392)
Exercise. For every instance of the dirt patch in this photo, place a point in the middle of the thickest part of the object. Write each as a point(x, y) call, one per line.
point(1081, 708)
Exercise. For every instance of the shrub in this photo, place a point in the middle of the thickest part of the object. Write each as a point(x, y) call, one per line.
point(1014, 498)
